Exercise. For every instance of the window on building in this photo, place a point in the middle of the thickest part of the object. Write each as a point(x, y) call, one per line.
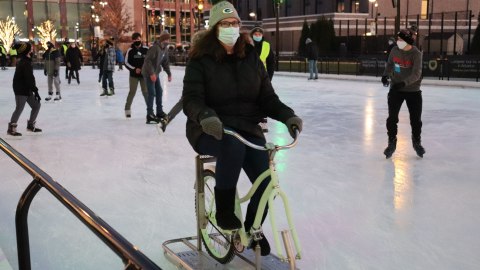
point(424, 9)
point(341, 6)
point(355, 6)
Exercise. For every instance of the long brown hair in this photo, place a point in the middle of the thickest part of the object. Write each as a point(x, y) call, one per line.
point(208, 44)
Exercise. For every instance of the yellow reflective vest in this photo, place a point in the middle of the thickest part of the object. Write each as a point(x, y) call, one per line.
point(265, 52)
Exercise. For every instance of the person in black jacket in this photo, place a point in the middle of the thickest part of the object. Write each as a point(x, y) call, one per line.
point(226, 85)
point(264, 50)
point(265, 53)
point(134, 61)
point(74, 60)
point(25, 90)
point(312, 56)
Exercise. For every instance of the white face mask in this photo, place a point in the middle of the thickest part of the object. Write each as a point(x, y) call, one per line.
point(401, 44)
point(229, 35)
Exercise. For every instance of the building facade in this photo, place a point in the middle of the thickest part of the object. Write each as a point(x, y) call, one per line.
point(182, 18)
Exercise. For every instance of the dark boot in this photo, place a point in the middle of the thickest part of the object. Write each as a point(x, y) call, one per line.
point(164, 123)
point(112, 91)
point(152, 118)
point(12, 130)
point(105, 92)
point(31, 127)
point(249, 219)
point(161, 115)
point(392, 145)
point(225, 216)
point(417, 145)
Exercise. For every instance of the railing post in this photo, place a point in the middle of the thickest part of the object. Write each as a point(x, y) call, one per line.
point(21, 224)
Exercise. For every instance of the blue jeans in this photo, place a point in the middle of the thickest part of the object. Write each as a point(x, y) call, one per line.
point(312, 67)
point(154, 92)
point(107, 76)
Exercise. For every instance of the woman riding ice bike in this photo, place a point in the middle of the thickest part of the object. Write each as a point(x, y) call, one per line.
point(222, 244)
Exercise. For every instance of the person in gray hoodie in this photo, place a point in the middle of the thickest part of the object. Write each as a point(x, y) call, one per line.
point(52, 59)
point(404, 68)
point(156, 58)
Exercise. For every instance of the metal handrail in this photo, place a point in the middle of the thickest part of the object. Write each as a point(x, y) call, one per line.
point(132, 258)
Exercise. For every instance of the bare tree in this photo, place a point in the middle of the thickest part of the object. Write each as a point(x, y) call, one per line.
point(115, 21)
point(111, 18)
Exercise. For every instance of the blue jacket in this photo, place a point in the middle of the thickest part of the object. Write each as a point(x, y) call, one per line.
point(120, 58)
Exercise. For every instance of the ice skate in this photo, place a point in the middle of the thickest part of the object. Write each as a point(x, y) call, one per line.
point(50, 96)
point(152, 119)
point(58, 97)
point(31, 128)
point(128, 113)
point(12, 131)
point(162, 125)
point(105, 93)
point(392, 145)
point(417, 146)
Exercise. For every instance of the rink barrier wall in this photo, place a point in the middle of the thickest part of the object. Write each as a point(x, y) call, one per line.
point(132, 258)
point(441, 67)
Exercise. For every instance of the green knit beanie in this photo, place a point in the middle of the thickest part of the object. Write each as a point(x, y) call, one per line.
point(222, 10)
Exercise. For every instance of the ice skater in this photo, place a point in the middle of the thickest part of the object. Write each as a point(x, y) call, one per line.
point(214, 97)
point(404, 68)
point(155, 60)
point(134, 59)
point(52, 58)
point(25, 90)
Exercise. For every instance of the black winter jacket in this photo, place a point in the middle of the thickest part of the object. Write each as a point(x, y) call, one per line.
point(312, 51)
point(74, 58)
point(238, 91)
point(134, 58)
point(23, 79)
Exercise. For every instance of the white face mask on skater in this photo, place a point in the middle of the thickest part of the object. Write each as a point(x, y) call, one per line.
point(229, 35)
point(401, 44)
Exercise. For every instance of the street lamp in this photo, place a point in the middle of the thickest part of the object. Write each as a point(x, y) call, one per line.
point(371, 5)
point(277, 31)
point(200, 12)
point(77, 29)
point(146, 6)
point(253, 15)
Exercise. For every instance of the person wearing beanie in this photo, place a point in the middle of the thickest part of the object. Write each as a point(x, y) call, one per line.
point(108, 67)
point(264, 50)
point(226, 85)
point(265, 53)
point(25, 90)
point(404, 69)
point(156, 58)
point(134, 59)
point(52, 58)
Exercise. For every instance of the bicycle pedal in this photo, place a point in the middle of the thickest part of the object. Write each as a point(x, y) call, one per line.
point(256, 234)
point(237, 243)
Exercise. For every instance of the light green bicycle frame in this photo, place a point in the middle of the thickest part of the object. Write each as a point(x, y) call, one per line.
point(271, 192)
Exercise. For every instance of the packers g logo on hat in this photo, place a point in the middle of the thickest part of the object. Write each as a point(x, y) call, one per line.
point(227, 10)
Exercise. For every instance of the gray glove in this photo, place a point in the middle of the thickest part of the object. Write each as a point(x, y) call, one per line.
point(212, 126)
point(294, 123)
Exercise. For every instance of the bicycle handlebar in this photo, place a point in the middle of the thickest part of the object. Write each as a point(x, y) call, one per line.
point(258, 147)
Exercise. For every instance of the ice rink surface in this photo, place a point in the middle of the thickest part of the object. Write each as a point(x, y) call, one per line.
point(353, 208)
